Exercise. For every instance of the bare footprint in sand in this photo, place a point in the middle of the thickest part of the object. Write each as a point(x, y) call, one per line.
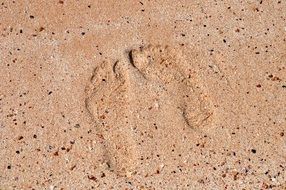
point(108, 103)
point(139, 105)
point(170, 106)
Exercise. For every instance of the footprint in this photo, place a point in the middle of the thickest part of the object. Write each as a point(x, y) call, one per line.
point(108, 104)
point(169, 68)
point(145, 106)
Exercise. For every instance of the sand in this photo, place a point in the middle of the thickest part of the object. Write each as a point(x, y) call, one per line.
point(142, 95)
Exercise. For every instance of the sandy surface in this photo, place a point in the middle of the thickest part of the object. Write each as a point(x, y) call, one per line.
point(143, 94)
